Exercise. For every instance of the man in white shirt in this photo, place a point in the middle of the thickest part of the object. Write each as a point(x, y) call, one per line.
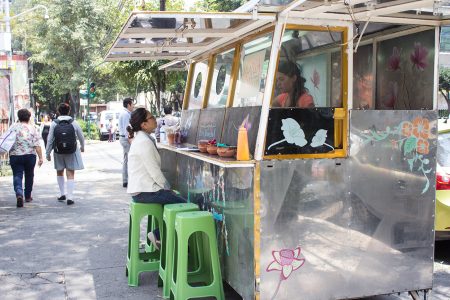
point(124, 121)
point(168, 120)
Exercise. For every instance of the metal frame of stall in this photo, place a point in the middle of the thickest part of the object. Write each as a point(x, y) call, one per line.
point(281, 259)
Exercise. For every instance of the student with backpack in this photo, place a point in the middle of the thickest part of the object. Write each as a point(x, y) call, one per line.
point(62, 139)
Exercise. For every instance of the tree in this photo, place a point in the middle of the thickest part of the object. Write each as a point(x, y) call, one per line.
point(218, 5)
point(444, 84)
point(68, 44)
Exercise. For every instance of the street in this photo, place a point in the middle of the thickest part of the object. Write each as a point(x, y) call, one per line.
point(53, 251)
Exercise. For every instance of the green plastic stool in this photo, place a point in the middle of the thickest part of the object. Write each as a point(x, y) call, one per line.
point(187, 224)
point(167, 247)
point(146, 261)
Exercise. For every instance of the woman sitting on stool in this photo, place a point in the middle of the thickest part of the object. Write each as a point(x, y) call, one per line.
point(146, 182)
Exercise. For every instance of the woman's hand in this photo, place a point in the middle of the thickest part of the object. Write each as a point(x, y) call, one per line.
point(40, 162)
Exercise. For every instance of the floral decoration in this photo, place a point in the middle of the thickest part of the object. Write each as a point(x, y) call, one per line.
point(294, 134)
point(413, 141)
point(419, 56)
point(285, 261)
point(394, 60)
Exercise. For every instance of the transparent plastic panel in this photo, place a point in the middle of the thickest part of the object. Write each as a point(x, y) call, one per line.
point(253, 66)
point(228, 194)
point(221, 79)
point(333, 224)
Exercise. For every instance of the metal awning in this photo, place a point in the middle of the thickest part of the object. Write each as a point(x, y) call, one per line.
point(154, 35)
point(176, 36)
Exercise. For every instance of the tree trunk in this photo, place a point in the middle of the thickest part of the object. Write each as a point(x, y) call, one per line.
point(162, 5)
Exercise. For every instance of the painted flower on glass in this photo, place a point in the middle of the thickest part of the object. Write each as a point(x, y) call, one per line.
point(419, 56)
point(421, 128)
point(392, 95)
point(315, 79)
point(412, 139)
point(394, 60)
point(292, 132)
point(423, 146)
point(285, 261)
point(407, 129)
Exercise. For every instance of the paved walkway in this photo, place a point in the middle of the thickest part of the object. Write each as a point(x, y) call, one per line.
point(53, 251)
point(49, 250)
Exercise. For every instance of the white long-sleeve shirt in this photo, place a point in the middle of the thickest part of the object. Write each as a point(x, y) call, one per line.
point(144, 166)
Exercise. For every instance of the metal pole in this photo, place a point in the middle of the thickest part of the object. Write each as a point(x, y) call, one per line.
point(88, 109)
point(9, 59)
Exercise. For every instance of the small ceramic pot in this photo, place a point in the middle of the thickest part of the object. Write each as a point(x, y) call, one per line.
point(212, 149)
point(202, 145)
point(226, 151)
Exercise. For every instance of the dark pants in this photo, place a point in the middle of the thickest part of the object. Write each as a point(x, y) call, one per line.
point(160, 197)
point(21, 164)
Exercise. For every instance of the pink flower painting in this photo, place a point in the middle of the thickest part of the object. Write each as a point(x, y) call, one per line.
point(285, 261)
point(315, 79)
point(419, 56)
point(392, 96)
point(394, 60)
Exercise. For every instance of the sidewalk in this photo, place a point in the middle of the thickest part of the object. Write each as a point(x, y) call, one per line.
point(53, 251)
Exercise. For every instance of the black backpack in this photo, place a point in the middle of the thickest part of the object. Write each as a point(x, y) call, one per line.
point(65, 139)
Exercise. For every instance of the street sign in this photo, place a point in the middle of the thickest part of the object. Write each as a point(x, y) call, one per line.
point(83, 94)
point(83, 101)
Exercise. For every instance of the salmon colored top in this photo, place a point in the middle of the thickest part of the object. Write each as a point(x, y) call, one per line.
point(304, 101)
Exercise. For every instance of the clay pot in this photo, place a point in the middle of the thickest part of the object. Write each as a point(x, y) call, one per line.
point(212, 149)
point(202, 145)
point(226, 151)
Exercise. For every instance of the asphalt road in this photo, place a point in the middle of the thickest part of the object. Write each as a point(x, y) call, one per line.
point(49, 250)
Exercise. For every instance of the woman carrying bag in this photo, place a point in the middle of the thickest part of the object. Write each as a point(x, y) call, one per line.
point(22, 156)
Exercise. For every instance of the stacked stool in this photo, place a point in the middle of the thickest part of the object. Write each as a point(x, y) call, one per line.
point(167, 246)
point(199, 224)
point(149, 259)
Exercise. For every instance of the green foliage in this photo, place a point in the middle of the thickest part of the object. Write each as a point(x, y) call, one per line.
point(94, 130)
point(218, 5)
point(65, 46)
point(155, 5)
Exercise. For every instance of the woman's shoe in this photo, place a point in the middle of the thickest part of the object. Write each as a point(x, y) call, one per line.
point(156, 243)
point(62, 198)
point(19, 201)
point(70, 202)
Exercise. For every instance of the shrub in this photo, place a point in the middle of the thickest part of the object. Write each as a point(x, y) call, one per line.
point(94, 130)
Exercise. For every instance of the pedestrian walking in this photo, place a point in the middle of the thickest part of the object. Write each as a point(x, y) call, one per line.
point(124, 121)
point(45, 128)
point(62, 139)
point(147, 183)
point(109, 128)
point(22, 156)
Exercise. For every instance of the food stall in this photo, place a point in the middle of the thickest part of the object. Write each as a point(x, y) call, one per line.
point(337, 199)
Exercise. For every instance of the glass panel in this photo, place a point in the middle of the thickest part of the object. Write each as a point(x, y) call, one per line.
point(198, 85)
point(253, 66)
point(405, 72)
point(308, 71)
point(218, 93)
point(363, 78)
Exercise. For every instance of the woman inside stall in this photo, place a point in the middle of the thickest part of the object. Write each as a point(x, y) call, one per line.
point(291, 86)
point(146, 182)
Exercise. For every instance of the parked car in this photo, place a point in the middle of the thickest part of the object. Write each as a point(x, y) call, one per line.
point(442, 222)
point(105, 116)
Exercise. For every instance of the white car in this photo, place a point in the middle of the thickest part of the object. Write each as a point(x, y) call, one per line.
point(105, 116)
